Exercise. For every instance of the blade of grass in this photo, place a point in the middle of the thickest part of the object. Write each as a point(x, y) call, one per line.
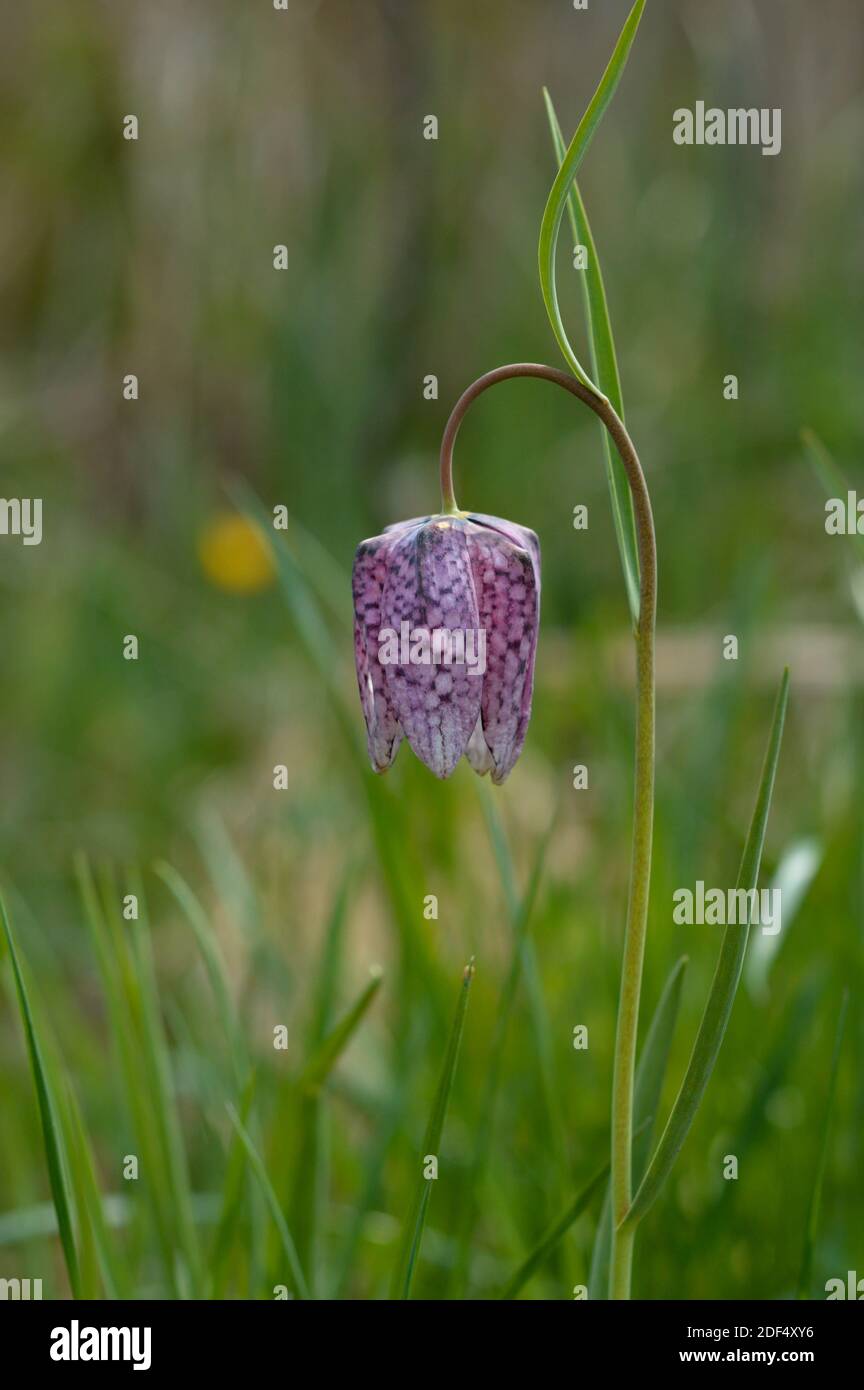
point(413, 1235)
point(549, 1240)
point(130, 991)
point(560, 190)
point(521, 914)
point(371, 1184)
point(55, 1150)
point(213, 963)
point(718, 1008)
point(400, 873)
point(131, 1073)
point(320, 1065)
point(306, 1117)
point(257, 1166)
point(324, 572)
point(233, 886)
point(96, 1263)
point(331, 957)
point(530, 972)
point(810, 1230)
point(309, 620)
point(604, 366)
point(232, 1198)
point(559, 1228)
point(90, 1203)
point(653, 1062)
point(311, 1177)
point(161, 1092)
point(650, 1075)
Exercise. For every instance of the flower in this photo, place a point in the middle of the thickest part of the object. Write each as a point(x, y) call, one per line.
point(446, 610)
point(236, 555)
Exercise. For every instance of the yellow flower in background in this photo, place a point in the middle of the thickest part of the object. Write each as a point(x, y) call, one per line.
point(236, 555)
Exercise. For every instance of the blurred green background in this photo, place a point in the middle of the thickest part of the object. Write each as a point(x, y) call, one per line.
point(304, 387)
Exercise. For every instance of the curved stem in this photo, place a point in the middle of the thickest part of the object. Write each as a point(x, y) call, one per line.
point(643, 801)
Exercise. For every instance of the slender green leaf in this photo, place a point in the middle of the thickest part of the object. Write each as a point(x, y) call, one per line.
point(55, 1150)
point(140, 971)
point(391, 1116)
point(232, 1198)
point(559, 1228)
point(231, 880)
point(521, 913)
point(331, 956)
point(311, 1177)
point(320, 1065)
point(651, 1071)
point(213, 962)
point(123, 1010)
point(91, 1205)
point(312, 628)
point(96, 1263)
point(257, 1165)
point(721, 997)
point(650, 1075)
point(125, 961)
point(604, 367)
point(560, 190)
point(819, 1176)
point(325, 574)
point(413, 1235)
point(526, 963)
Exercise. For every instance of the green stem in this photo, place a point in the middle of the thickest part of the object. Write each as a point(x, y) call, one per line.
point(643, 803)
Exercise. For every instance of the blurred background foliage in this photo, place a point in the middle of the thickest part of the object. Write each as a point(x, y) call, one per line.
point(304, 388)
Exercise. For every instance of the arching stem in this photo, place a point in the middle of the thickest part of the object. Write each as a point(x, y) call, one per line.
point(643, 802)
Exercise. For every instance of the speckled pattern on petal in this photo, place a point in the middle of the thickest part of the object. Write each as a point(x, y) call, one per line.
point(429, 585)
point(506, 580)
point(522, 536)
point(383, 734)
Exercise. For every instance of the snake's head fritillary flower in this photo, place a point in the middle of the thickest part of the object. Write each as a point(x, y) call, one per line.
point(446, 610)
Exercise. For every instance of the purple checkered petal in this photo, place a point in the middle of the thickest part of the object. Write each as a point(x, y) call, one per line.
point(505, 561)
point(383, 734)
point(522, 536)
point(429, 587)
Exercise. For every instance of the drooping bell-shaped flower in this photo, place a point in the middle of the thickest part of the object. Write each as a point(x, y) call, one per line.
point(446, 610)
